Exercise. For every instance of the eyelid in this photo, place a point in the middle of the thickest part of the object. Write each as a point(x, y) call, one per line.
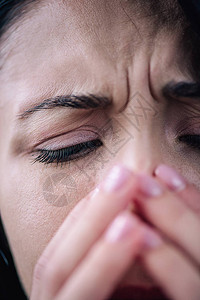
point(74, 137)
point(68, 154)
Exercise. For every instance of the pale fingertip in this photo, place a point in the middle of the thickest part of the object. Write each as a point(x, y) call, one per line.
point(171, 177)
point(116, 179)
point(94, 194)
point(149, 186)
point(152, 239)
point(121, 228)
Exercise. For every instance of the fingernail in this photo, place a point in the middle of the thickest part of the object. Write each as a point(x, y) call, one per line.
point(171, 177)
point(94, 193)
point(150, 187)
point(121, 228)
point(152, 239)
point(116, 179)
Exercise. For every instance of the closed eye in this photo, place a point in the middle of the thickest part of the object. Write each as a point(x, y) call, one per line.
point(192, 141)
point(67, 154)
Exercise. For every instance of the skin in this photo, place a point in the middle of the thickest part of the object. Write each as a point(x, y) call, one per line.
point(55, 52)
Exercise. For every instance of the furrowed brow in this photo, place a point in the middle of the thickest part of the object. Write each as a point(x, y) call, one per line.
point(90, 101)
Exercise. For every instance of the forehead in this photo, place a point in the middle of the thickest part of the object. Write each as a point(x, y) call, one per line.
point(57, 39)
point(71, 25)
point(55, 29)
point(67, 24)
point(62, 43)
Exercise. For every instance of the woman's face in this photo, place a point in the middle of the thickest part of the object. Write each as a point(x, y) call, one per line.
point(106, 56)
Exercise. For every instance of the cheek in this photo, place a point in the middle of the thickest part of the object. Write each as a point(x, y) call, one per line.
point(33, 206)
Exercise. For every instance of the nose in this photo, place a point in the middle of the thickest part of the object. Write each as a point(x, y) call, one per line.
point(141, 155)
point(143, 136)
point(142, 121)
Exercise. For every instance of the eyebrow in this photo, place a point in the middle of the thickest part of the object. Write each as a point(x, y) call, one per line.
point(89, 101)
point(182, 90)
point(92, 101)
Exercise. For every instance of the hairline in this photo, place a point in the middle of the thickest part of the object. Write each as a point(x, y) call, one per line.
point(159, 16)
point(14, 15)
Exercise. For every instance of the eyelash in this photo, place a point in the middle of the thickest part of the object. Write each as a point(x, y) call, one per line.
point(67, 154)
point(192, 141)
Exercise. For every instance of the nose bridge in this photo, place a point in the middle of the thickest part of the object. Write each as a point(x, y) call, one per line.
point(143, 129)
point(141, 119)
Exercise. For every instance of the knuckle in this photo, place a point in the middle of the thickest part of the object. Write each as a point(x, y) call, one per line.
point(40, 267)
point(46, 273)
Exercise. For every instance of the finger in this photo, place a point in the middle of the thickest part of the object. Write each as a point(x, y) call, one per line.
point(114, 196)
point(166, 212)
point(98, 275)
point(189, 194)
point(173, 272)
point(55, 241)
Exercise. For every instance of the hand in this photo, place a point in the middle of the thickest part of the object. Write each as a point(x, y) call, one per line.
point(85, 259)
point(172, 206)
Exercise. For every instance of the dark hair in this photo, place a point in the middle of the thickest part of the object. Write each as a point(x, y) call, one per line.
point(10, 285)
point(10, 10)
